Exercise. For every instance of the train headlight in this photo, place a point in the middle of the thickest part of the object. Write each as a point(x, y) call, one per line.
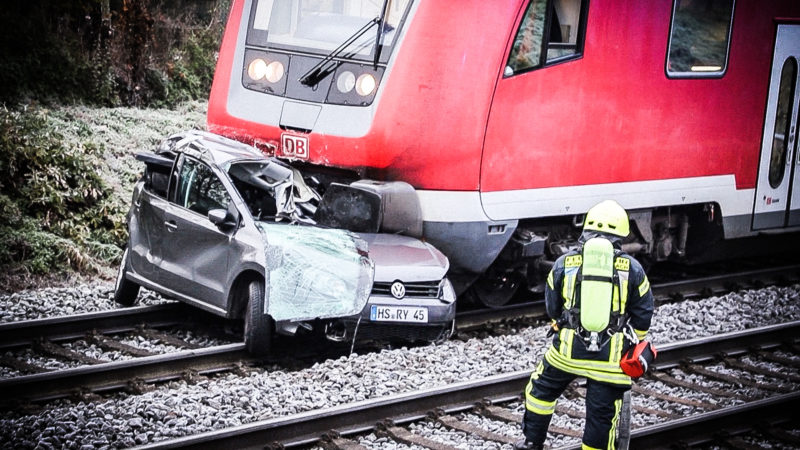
point(257, 69)
point(346, 82)
point(274, 71)
point(366, 84)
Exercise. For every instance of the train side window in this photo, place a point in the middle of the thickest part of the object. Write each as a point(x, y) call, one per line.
point(563, 24)
point(699, 38)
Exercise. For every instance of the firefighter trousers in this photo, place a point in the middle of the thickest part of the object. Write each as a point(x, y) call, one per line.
point(603, 404)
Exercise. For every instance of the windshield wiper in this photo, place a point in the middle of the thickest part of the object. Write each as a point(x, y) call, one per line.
point(327, 65)
point(379, 37)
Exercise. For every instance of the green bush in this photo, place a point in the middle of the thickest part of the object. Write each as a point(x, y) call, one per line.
point(58, 213)
point(107, 52)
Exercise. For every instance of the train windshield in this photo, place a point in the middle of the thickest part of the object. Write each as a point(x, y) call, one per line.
point(322, 26)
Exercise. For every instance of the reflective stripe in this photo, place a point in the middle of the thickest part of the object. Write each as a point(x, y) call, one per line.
point(586, 447)
point(603, 371)
point(615, 354)
point(644, 287)
point(533, 404)
point(550, 280)
point(640, 334)
point(538, 406)
point(615, 299)
point(623, 286)
point(612, 433)
point(568, 289)
point(573, 261)
point(566, 337)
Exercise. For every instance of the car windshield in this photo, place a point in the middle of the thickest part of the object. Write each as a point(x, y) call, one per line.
point(321, 26)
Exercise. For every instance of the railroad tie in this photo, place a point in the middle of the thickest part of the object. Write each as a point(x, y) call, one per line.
point(670, 398)
point(749, 367)
point(672, 381)
point(460, 425)
point(495, 412)
point(334, 441)
point(700, 370)
point(780, 435)
point(498, 413)
point(20, 365)
point(48, 348)
point(388, 429)
point(112, 345)
point(164, 338)
point(786, 361)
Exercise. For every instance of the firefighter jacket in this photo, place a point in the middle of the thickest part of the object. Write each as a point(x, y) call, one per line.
point(632, 303)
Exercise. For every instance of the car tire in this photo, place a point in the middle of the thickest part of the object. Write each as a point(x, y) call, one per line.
point(258, 325)
point(125, 290)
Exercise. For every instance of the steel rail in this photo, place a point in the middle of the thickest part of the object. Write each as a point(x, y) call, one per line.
point(116, 375)
point(306, 428)
point(22, 333)
point(706, 427)
point(663, 292)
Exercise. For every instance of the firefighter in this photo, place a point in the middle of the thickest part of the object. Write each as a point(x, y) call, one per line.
point(600, 301)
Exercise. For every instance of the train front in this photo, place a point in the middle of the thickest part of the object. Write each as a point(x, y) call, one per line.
point(390, 90)
point(300, 78)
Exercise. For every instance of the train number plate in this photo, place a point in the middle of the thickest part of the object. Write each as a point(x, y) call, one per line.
point(380, 313)
point(294, 146)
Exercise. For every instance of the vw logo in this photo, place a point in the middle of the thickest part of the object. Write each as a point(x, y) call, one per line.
point(398, 290)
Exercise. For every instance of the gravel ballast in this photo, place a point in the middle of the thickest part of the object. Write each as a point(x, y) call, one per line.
point(179, 409)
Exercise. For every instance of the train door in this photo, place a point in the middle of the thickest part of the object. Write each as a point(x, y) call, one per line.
point(777, 202)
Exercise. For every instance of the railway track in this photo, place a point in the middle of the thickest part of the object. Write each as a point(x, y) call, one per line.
point(726, 366)
point(144, 369)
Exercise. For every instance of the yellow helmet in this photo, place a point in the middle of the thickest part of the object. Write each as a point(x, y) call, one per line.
point(608, 217)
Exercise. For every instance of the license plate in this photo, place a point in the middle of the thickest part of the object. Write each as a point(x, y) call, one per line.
point(294, 146)
point(380, 313)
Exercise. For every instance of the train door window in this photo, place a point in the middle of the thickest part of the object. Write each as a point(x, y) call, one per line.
point(699, 38)
point(550, 32)
point(780, 136)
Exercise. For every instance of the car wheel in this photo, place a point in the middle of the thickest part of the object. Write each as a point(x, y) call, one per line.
point(257, 324)
point(125, 290)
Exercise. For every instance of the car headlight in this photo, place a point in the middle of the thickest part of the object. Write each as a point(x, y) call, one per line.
point(448, 293)
point(366, 84)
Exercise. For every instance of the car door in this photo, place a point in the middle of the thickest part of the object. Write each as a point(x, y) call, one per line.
point(147, 231)
point(196, 253)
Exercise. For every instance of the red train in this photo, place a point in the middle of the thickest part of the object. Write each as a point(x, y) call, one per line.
point(511, 118)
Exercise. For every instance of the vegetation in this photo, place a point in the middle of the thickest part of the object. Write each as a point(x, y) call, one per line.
point(58, 211)
point(69, 172)
point(109, 52)
point(75, 75)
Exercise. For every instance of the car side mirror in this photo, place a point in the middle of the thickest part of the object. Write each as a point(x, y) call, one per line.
point(221, 218)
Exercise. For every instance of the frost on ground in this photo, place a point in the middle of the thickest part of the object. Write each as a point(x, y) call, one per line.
point(125, 131)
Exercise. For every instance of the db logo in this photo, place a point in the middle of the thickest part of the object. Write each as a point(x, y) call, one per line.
point(293, 146)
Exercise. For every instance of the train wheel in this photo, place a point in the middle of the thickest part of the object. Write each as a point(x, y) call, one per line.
point(125, 290)
point(257, 324)
point(495, 290)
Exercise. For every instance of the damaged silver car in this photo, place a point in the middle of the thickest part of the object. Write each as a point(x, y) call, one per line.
point(216, 224)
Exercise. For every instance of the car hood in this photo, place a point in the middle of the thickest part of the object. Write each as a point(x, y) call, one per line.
point(404, 258)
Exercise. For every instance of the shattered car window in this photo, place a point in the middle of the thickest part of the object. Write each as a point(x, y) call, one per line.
point(315, 272)
point(266, 188)
point(199, 189)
